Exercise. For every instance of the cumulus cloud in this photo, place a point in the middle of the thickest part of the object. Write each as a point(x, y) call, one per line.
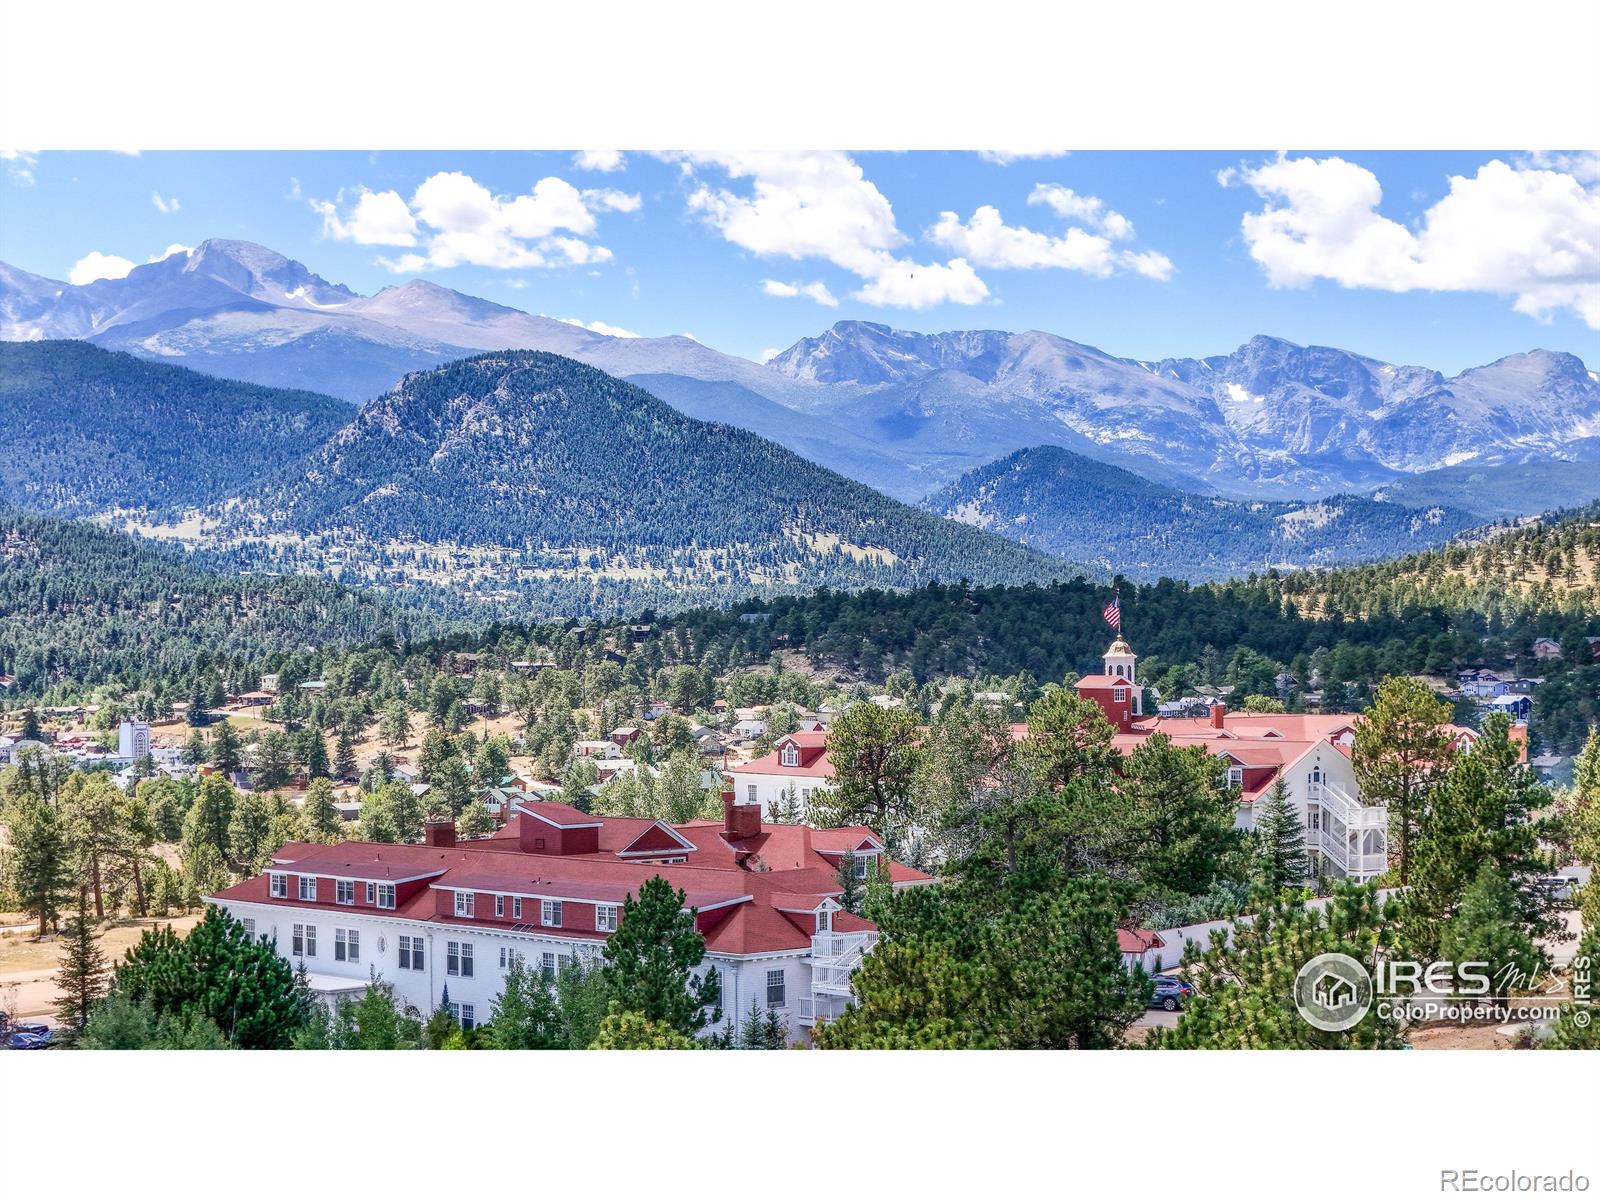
point(1088, 245)
point(164, 204)
point(175, 248)
point(822, 206)
point(604, 161)
point(1004, 158)
point(615, 331)
point(1527, 231)
point(457, 221)
point(817, 291)
point(767, 355)
point(95, 265)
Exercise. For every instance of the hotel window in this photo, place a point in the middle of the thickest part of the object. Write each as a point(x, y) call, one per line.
point(278, 886)
point(463, 904)
point(1235, 776)
point(372, 889)
point(549, 912)
point(308, 887)
point(791, 757)
point(347, 945)
point(305, 941)
point(1119, 694)
point(509, 958)
point(466, 1016)
point(863, 861)
point(344, 891)
point(605, 918)
point(386, 895)
point(516, 907)
point(458, 958)
point(250, 926)
point(824, 921)
point(499, 906)
point(548, 962)
point(750, 794)
point(775, 989)
point(411, 954)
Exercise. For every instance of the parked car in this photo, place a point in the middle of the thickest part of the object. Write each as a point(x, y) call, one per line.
point(41, 1040)
point(1172, 993)
point(1555, 888)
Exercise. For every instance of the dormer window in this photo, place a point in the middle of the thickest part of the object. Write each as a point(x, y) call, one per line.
point(1235, 776)
point(791, 756)
point(308, 887)
point(463, 904)
point(824, 920)
point(278, 886)
point(1119, 695)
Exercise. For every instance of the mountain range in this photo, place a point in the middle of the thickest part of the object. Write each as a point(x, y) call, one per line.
point(521, 481)
point(1072, 506)
point(907, 412)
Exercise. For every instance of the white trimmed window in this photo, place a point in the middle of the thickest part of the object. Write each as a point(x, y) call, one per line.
point(509, 957)
point(1119, 694)
point(411, 954)
point(344, 891)
point(750, 794)
point(347, 945)
point(605, 918)
point(499, 906)
point(548, 961)
point(791, 757)
point(549, 912)
point(386, 895)
point(1235, 776)
point(308, 887)
point(824, 920)
point(516, 907)
point(372, 890)
point(305, 941)
point(463, 904)
point(467, 1021)
point(250, 926)
point(775, 989)
point(278, 886)
point(458, 959)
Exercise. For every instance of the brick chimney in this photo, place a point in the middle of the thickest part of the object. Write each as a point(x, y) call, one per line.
point(739, 821)
point(439, 833)
point(1217, 709)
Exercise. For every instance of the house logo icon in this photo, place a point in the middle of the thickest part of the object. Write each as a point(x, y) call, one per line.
point(1333, 992)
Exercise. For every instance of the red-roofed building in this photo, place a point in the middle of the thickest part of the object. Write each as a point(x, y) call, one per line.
point(549, 888)
point(1310, 752)
point(798, 766)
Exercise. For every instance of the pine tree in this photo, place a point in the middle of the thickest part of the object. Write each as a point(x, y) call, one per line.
point(39, 867)
point(344, 757)
point(475, 820)
point(394, 728)
point(1487, 929)
point(851, 892)
point(226, 753)
point(1399, 745)
point(318, 814)
point(84, 974)
point(315, 755)
point(250, 841)
point(30, 731)
point(525, 1016)
point(650, 959)
point(623, 1029)
point(195, 750)
point(1281, 858)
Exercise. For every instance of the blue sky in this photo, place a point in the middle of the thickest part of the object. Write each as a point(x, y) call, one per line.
point(1143, 254)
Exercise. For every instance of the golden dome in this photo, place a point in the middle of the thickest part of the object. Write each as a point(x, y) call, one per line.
point(1119, 647)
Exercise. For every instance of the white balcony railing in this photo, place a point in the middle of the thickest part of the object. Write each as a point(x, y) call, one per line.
point(833, 957)
point(1353, 836)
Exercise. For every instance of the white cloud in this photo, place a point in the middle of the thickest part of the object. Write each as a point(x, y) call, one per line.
point(822, 206)
point(95, 265)
point(164, 204)
point(599, 160)
point(175, 248)
point(767, 355)
point(615, 331)
point(378, 219)
point(1004, 158)
point(817, 291)
point(19, 166)
point(1087, 246)
point(457, 221)
point(1525, 231)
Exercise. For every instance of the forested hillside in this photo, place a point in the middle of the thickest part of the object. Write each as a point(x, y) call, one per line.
point(90, 430)
point(1066, 504)
point(81, 606)
point(542, 484)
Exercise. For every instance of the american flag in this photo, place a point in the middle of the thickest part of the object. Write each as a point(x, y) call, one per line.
point(1113, 614)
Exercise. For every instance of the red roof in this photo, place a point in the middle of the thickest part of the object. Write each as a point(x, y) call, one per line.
point(813, 756)
point(756, 894)
point(1137, 941)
